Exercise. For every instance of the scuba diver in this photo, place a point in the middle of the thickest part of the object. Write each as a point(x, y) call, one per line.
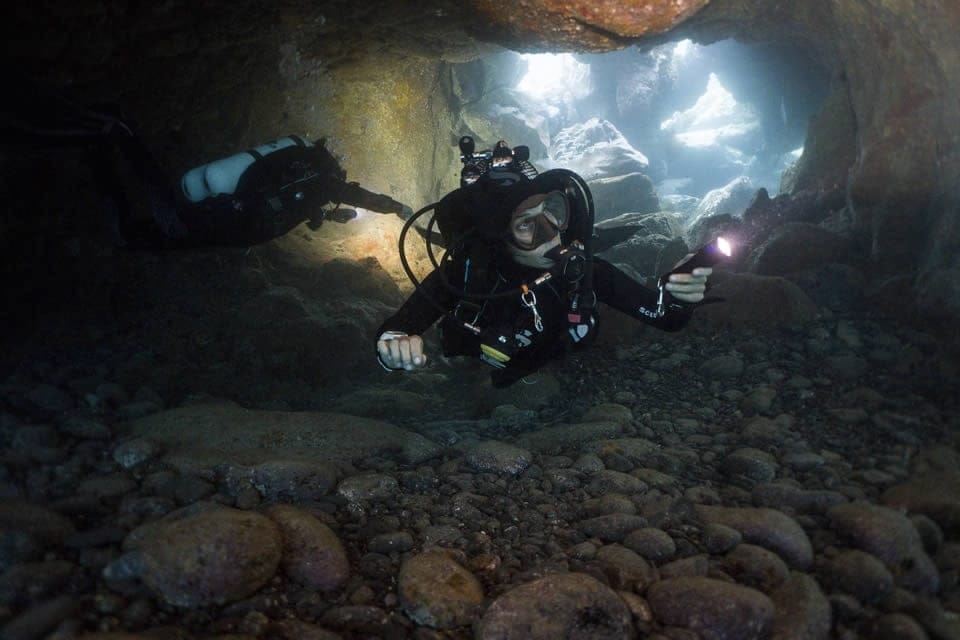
point(262, 193)
point(518, 285)
point(242, 200)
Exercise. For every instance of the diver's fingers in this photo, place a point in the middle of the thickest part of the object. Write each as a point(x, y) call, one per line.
point(685, 289)
point(389, 352)
point(700, 273)
point(383, 350)
point(411, 352)
point(401, 351)
point(416, 351)
point(404, 360)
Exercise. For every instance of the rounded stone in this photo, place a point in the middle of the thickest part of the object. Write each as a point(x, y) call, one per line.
point(312, 553)
point(564, 605)
point(436, 591)
point(213, 557)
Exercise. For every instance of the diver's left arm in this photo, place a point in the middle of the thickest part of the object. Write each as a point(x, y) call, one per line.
point(620, 291)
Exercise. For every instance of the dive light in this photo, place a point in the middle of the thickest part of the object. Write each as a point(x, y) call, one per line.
point(708, 255)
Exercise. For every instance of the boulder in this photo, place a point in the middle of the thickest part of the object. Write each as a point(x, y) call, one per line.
point(756, 302)
point(731, 198)
point(648, 255)
point(794, 247)
point(617, 195)
point(564, 605)
point(213, 557)
point(596, 149)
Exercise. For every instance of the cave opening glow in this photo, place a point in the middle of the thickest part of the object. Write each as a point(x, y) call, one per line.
point(715, 116)
point(692, 117)
point(555, 76)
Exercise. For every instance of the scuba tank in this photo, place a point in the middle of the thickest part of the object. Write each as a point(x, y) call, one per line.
point(221, 176)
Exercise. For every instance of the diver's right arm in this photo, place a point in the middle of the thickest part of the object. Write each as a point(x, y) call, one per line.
point(399, 344)
point(353, 194)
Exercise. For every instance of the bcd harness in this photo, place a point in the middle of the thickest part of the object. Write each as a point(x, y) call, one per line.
point(497, 348)
point(486, 312)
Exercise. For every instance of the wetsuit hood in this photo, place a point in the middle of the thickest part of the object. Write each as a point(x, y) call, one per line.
point(486, 207)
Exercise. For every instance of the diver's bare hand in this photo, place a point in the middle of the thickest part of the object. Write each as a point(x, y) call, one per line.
point(398, 351)
point(689, 287)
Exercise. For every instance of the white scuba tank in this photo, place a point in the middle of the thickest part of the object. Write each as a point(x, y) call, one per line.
point(222, 176)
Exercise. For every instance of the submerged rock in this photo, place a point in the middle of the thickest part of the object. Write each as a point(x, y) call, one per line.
point(438, 592)
point(312, 553)
point(891, 537)
point(211, 434)
point(803, 612)
point(715, 609)
point(213, 557)
point(596, 149)
point(557, 606)
point(733, 198)
point(498, 457)
point(630, 193)
point(768, 528)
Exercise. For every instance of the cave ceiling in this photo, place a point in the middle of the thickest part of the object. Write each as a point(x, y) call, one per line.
point(449, 29)
point(334, 34)
point(460, 31)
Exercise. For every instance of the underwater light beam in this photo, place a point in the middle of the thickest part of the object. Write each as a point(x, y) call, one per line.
point(554, 75)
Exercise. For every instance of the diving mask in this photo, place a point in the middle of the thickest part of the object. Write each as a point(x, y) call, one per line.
point(538, 220)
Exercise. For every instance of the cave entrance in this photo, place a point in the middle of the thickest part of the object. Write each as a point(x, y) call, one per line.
point(694, 118)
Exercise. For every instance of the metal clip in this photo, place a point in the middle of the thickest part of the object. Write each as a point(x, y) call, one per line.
point(660, 290)
point(529, 300)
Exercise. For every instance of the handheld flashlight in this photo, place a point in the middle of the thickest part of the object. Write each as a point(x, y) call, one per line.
point(708, 255)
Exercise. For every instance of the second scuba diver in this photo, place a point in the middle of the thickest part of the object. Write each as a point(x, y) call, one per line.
point(245, 199)
point(519, 285)
point(252, 197)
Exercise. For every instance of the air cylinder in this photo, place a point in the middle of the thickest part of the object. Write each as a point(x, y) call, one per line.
point(221, 176)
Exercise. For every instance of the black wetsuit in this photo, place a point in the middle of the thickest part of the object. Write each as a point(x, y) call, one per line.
point(611, 285)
